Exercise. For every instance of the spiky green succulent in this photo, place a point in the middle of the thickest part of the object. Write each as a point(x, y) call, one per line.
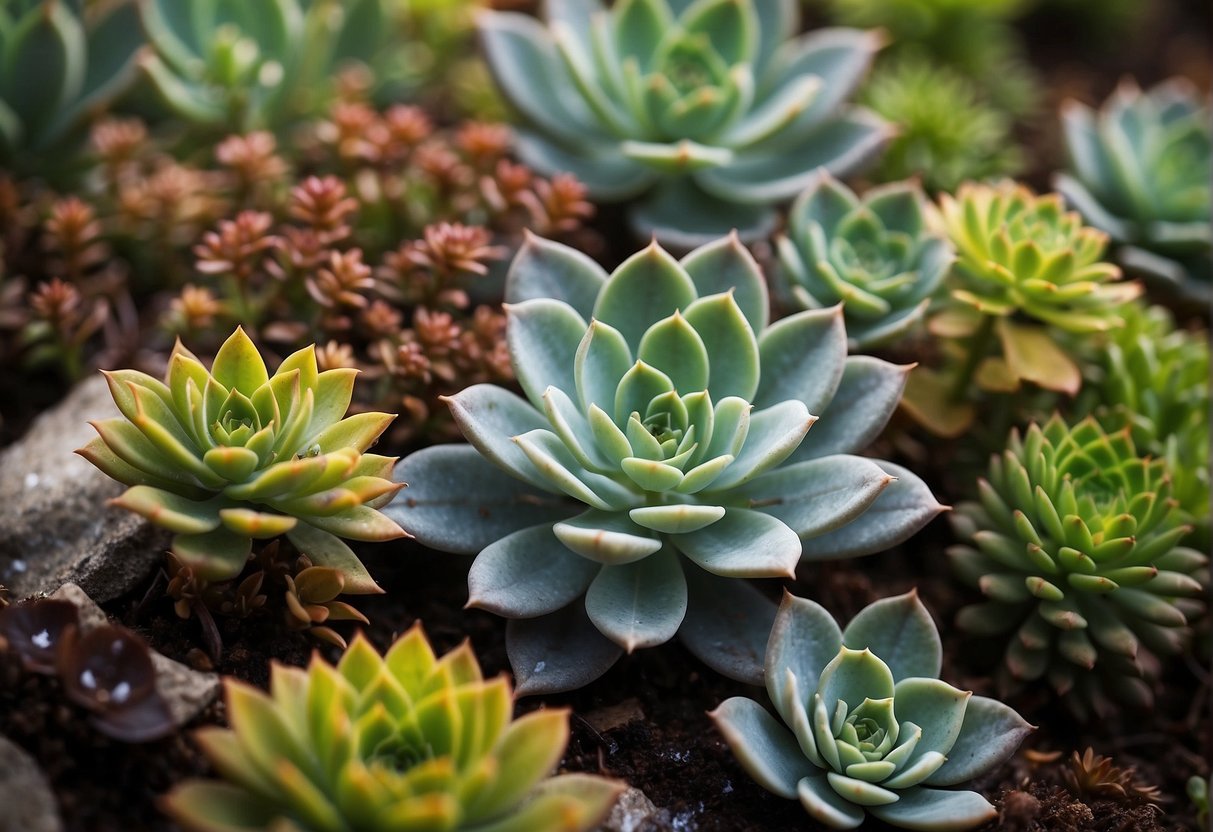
point(946, 131)
point(60, 63)
point(710, 111)
point(875, 256)
point(868, 727)
point(1154, 378)
point(664, 453)
point(1026, 266)
point(1140, 170)
point(236, 65)
point(403, 742)
point(226, 455)
point(1075, 544)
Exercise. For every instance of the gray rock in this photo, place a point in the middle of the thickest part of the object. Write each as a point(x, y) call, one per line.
point(184, 690)
point(630, 812)
point(29, 804)
point(55, 522)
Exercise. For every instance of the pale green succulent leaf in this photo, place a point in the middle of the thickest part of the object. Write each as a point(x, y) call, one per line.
point(674, 345)
point(818, 495)
point(860, 792)
point(325, 549)
point(609, 538)
point(358, 523)
point(775, 114)
point(238, 364)
point(677, 518)
point(217, 555)
point(862, 404)
point(936, 810)
point(646, 288)
point(574, 430)
point(639, 27)
point(934, 706)
point(731, 347)
point(558, 652)
point(543, 336)
point(638, 387)
point(574, 801)
point(172, 511)
point(639, 604)
point(773, 435)
point(490, 417)
point(804, 639)
point(559, 468)
point(823, 803)
point(852, 676)
point(603, 169)
point(725, 265)
point(1033, 355)
point(685, 216)
point(989, 735)
point(897, 513)
point(258, 525)
point(359, 432)
point(676, 158)
point(901, 632)
point(766, 750)
point(731, 27)
point(743, 544)
point(527, 574)
point(548, 269)
point(602, 360)
point(218, 807)
point(838, 56)
point(727, 624)
point(803, 358)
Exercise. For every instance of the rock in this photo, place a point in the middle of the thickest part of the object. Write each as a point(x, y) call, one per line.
point(29, 804)
point(55, 522)
point(185, 691)
point(629, 813)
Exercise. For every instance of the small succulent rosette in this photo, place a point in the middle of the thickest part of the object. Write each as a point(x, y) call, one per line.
point(402, 742)
point(1140, 170)
point(661, 455)
point(867, 726)
point(711, 110)
point(875, 256)
point(1075, 541)
point(231, 454)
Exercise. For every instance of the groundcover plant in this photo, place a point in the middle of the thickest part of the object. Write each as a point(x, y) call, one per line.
point(412, 413)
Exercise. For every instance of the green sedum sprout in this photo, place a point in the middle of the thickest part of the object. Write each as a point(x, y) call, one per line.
point(1140, 170)
point(711, 110)
point(875, 256)
point(664, 453)
point(867, 726)
point(226, 455)
point(1075, 544)
point(403, 742)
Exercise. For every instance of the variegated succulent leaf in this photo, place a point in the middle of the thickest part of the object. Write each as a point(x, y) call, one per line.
point(712, 109)
point(403, 741)
point(231, 454)
point(1140, 169)
point(876, 256)
point(1076, 543)
point(863, 724)
point(664, 440)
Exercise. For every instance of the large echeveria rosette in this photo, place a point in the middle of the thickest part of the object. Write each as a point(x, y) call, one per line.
point(658, 399)
point(712, 110)
point(1074, 542)
point(868, 726)
point(1140, 170)
point(874, 255)
point(226, 455)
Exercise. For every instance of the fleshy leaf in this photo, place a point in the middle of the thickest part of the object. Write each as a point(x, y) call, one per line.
point(527, 574)
point(639, 604)
point(766, 750)
point(901, 632)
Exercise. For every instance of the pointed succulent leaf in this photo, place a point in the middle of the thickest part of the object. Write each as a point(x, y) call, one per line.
point(743, 544)
point(543, 336)
point(727, 624)
point(818, 495)
point(803, 358)
point(558, 652)
point(901, 632)
point(803, 641)
point(547, 269)
point(726, 265)
point(766, 750)
point(639, 604)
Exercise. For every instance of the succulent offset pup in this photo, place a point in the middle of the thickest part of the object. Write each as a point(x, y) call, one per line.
point(400, 742)
point(713, 110)
point(664, 452)
point(227, 455)
point(1074, 543)
point(868, 727)
point(1140, 171)
point(875, 256)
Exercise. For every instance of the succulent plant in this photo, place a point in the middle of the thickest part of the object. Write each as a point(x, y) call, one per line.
point(875, 256)
point(227, 63)
point(62, 64)
point(226, 455)
point(868, 727)
point(1075, 544)
point(1026, 271)
point(404, 741)
point(107, 670)
point(712, 110)
point(1155, 379)
point(947, 132)
point(1198, 789)
point(1140, 170)
point(664, 452)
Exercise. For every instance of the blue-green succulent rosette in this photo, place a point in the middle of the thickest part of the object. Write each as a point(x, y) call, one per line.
point(662, 453)
point(707, 111)
point(868, 728)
